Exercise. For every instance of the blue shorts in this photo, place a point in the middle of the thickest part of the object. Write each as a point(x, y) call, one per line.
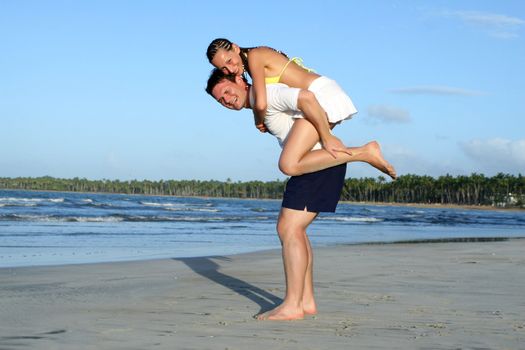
point(317, 192)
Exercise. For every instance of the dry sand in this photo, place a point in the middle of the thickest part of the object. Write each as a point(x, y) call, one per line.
point(401, 296)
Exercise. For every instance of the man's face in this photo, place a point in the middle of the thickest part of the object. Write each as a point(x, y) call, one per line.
point(231, 94)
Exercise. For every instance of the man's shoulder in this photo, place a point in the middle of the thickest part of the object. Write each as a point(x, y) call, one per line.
point(281, 97)
point(276, 88)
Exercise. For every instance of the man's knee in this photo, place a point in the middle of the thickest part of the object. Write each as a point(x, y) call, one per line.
point(288, 230)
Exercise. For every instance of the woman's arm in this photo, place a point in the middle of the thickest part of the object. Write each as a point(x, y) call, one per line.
point(256, 62)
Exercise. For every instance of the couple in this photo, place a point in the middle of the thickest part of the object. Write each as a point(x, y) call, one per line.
point(314, 158)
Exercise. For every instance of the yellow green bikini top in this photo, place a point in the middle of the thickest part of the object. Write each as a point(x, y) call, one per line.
point(277, 78)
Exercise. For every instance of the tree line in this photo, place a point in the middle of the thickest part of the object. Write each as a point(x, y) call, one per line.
point(476, 189)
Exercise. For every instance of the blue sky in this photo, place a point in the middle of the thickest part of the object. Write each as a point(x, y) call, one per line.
point(115, 89)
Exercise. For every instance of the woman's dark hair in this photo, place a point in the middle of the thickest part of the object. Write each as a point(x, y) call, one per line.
point(215, 45)
point(221, 43)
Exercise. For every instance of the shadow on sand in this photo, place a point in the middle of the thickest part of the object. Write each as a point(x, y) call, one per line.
point(207, 267)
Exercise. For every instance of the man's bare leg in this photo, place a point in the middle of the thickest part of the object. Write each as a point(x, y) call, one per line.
point(297, 159)
point(309, 305)
point(291, 227)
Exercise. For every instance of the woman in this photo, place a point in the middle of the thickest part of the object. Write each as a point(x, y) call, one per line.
point(266, 66)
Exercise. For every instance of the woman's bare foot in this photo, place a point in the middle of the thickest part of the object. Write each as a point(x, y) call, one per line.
point(372, 155)
point(282, 313)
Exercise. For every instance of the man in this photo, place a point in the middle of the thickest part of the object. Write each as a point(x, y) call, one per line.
point(316, 182)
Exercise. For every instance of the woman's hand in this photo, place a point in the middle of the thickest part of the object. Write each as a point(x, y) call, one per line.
point(333, 145)
point(259, 122)
point(261, 127)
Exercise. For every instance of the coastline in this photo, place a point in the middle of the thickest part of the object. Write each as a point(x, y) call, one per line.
point(392, 204)
point(62, 228)
point(393, 296)
point(439, 206)
point(145, 259)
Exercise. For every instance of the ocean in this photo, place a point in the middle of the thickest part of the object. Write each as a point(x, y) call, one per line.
point(50, 228)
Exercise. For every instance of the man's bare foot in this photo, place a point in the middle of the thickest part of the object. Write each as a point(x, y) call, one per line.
point(309, 308)
point(282, 313)
point(372, 155)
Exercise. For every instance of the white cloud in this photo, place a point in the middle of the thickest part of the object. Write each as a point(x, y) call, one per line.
point(389, 114)
point(496, 154)
point(436, 90)
point(496, 25)
point(489, 19)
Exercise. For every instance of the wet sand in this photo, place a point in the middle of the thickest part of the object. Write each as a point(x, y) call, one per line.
point(395, 296)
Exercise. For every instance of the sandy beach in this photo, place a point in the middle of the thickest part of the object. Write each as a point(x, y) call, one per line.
point(395, 296)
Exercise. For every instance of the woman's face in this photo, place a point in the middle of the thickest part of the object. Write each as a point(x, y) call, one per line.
point(229, 61)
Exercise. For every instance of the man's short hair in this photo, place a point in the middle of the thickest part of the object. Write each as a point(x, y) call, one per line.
point(217, 76)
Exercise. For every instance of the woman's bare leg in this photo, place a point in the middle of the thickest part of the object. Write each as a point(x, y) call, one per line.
point(297, 157)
